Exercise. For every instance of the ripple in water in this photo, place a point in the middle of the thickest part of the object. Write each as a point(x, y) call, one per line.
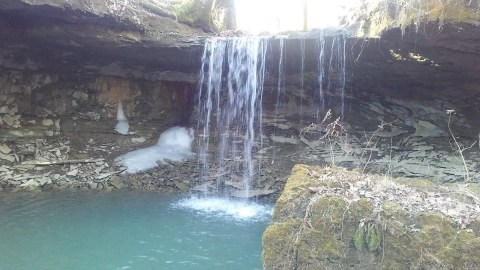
point(226, 208)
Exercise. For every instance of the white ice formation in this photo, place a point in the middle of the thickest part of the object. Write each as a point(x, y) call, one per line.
point(174, 144)
point(122, 122)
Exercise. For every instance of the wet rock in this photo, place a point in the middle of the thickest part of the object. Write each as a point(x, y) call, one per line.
point(250, 193)
point(117, 182)
point(30, 184)
point(25, 133)
point(80, 95)
point(203, 187)
point(47, 122)
point(94, 116)
point(44, 181)
point(280, 139)
point(57, 125)
point(9, 120)
point(5, 149)
point(138, 140)
point(236, 184)
point(73, 172)
point(180, 185)
point(7, 157)
point(427, 129)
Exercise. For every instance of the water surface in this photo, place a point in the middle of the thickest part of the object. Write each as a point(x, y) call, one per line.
point(128, 230)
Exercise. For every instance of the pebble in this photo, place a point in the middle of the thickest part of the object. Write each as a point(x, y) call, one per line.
point(4, 109)
point(47, 122)
point(9, 120)
point(79, 95)
point(5, 149)
point(72, 172)
point(7, 157)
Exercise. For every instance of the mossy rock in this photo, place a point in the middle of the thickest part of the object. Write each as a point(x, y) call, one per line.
point(279, 252)
point(196, 13)
point(297, 193)
point(312, 229)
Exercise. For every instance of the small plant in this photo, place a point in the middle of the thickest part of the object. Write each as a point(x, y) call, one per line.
point(367, 234)
point(339, 142)
point(372, 144)
point(458, 148)
point(333, 133)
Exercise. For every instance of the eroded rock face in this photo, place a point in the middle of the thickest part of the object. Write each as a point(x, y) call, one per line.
point(330, 218)
point(96, 37)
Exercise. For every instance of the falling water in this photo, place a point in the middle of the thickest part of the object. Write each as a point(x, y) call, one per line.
point(210, 84)
point(281, 77)
point(336, 68)
point(321, 73)
point(331, 77)
point(302, 78)
point(230, 96)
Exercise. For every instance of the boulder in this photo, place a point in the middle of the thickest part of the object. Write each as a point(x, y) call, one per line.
point(331, 218)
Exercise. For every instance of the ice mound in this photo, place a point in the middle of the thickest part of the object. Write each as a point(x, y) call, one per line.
point(122, 122)
point(174, 144)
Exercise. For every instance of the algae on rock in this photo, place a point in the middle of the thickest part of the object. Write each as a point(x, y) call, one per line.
point(331, 218)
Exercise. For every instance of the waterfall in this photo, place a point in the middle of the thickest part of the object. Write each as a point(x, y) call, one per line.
point(229, 103)
point(230, 95)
